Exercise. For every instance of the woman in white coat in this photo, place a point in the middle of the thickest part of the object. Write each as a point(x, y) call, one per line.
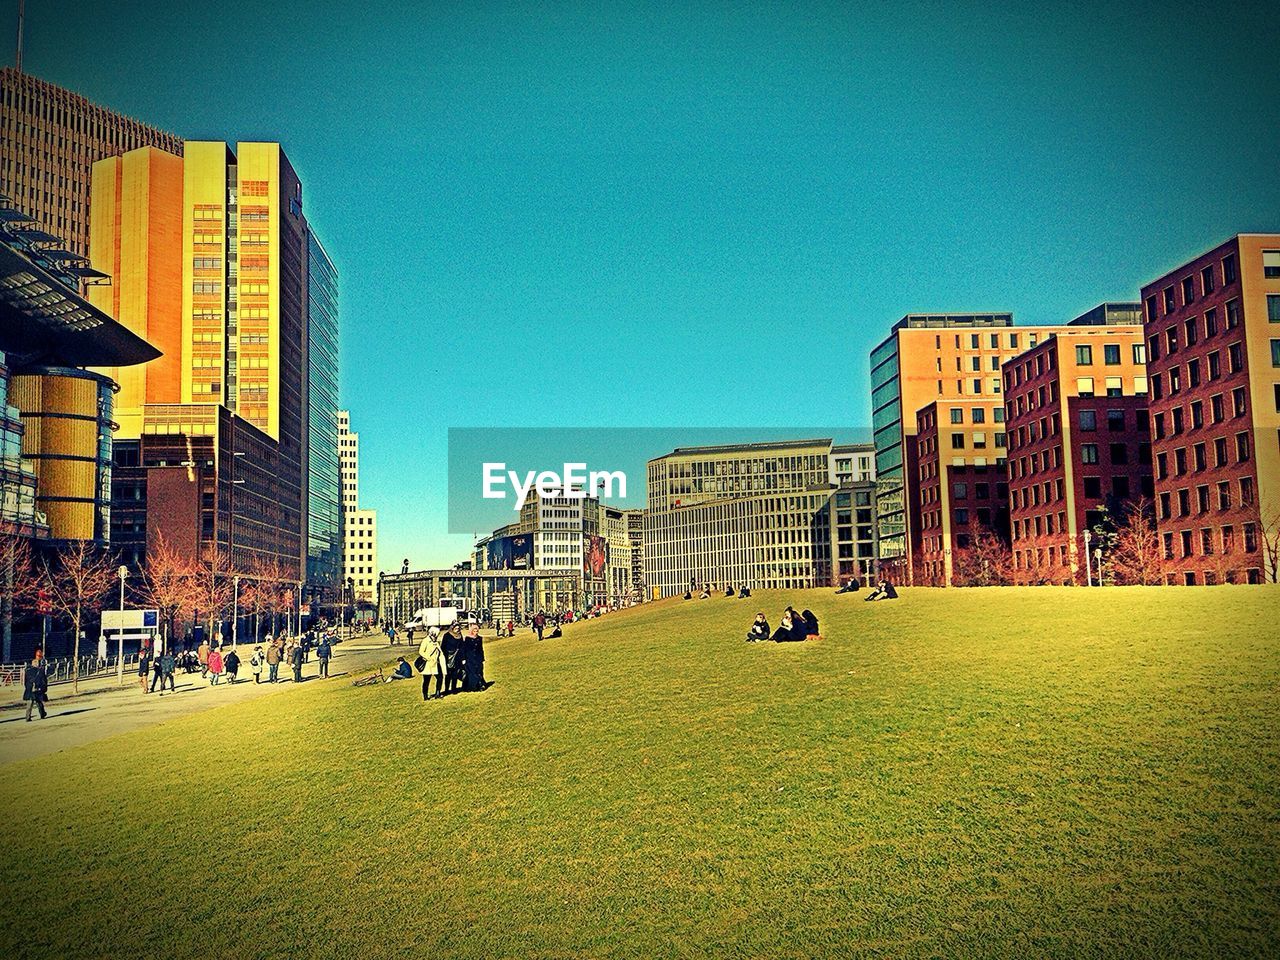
point(434, 662)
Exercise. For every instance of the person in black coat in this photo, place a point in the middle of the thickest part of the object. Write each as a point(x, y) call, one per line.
point(35, 684)
point(451, 645)
point(295, 658)
point(473, 651)
point(811, 623)
point(759, 629)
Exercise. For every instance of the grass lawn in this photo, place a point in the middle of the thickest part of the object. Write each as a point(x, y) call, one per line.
point(968, 773)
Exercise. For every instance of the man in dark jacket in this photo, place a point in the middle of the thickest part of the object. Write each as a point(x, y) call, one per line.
point(35, 684)
point(323, 652)
point(539, 623)
point(168, 664)
point(296, 659)
point(451, 646)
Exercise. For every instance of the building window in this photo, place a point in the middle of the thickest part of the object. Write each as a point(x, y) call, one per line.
point(1275, 353)
point(1084, 355)
point(1229, 269)
point(1242, 448)
point(1115, 387)
point(1088, 420)
point(1233, 314)
point(1088, 453)
point(1139, 353)
point(1084, 386)
point(957, 415)
point(1211, 323)
point(1206, 279)
point(1188, 289)
point(1119, 454)
point(1115, 421)
point(1271, 264)
point(957, 441)
point(1170, 303)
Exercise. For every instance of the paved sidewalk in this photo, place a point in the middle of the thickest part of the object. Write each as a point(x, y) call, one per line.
point(104, 709)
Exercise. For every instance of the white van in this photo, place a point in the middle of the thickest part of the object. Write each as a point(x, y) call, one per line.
point(451, 610)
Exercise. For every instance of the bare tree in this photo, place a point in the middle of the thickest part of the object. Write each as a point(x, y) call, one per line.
point(170, 582)
point(986, 562)
point(213, 589)
point(17, 581)
point(1137, 556)
point(75, 577)
point(1269, 542)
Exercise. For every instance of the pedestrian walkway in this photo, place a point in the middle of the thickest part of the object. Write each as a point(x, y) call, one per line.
point(103, 708)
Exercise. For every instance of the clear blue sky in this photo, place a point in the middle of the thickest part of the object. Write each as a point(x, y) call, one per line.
point(573, 214)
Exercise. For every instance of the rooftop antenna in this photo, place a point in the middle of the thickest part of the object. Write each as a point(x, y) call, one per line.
point(22, 9)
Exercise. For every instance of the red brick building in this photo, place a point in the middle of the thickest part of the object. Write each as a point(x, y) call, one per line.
point(1213, 341)
point(1079, 444)
point(964, 496)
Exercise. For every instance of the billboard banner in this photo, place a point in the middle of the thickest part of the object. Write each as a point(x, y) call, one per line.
point(510, 553)
point(595, 556)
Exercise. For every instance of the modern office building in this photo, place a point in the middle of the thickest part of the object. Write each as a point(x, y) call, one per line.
point(1079, 445)
point(1213, 358)
point(359, 525)
point(856, 534)
point(927, 358)
point(758, 515)
point(635, 534)
point(60, 477)
point(324, 489)
point(938, 357)
point(52, 137)
point(962, 484)
point(55, 417)
point(210, 255)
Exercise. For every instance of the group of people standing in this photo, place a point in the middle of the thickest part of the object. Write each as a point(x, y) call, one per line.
point(793, 626)
point(454, 658)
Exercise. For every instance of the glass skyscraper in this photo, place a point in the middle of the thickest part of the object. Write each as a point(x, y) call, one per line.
point(324, 510)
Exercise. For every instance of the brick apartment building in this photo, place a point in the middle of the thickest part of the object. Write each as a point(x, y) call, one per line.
point(1213, 346)
point(1079, 444)
point(963, 483)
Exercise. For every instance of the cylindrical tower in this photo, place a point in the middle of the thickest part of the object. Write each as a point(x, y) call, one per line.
point(67, 413)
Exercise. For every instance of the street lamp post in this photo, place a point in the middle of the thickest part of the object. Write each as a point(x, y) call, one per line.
point(235, 610)
point(123, 573)
point(1088, 562)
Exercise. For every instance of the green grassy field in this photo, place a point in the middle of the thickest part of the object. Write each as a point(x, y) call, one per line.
point(971, 773)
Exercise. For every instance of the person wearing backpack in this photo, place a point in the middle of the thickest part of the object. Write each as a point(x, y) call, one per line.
point(324, 650)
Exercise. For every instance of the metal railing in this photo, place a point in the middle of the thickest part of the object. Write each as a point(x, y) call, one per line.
point(60, 668)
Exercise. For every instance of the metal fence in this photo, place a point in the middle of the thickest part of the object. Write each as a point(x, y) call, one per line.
point(60, 668)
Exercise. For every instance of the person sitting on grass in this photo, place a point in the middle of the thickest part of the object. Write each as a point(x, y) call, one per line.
point(728, 591)
point(688, 595)
point(402, 671)
point(811, 624)
point(885, 591)
point(786, 629)
point(744, 593)
point(759, 629)
point(705, 595)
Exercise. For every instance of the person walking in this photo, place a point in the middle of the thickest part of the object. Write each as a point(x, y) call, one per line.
point(539, 623)
point(202, 654)
point(295, 658)
point(434, 664)
point(102, 651)
point(214, 665)
point(35, 684)
point(168, 666)
point(324, 650)
point(473, 652)
point(231, 663)
point(255, 662)
point(273, 661)
point(144, 666)
point(157, 674)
